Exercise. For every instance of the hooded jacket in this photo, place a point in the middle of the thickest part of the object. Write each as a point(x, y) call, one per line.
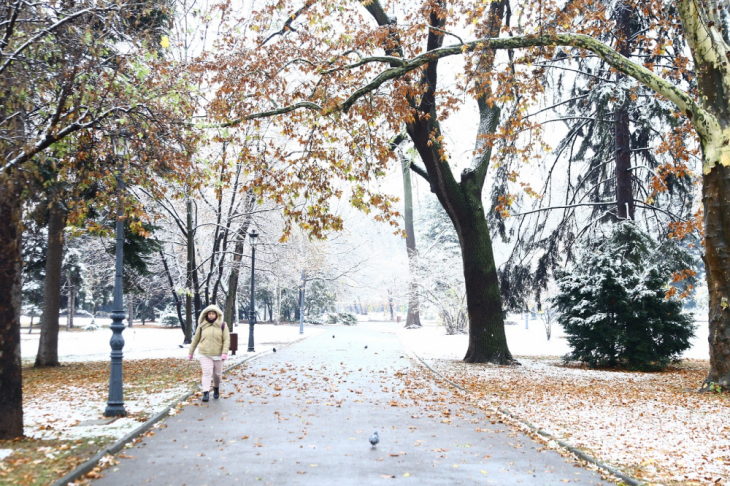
point(213, 338)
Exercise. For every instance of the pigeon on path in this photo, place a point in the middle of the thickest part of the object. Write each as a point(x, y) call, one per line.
point(374, 439)
point(274, 349)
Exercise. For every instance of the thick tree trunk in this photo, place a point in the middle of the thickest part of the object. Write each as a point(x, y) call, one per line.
point(11, 382)
point(462, 200)
point(716, 199)
point(463, 203)
point(624, 189)
point(487, 339)
point(48, 344)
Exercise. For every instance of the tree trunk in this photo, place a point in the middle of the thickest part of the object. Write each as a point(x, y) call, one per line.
point(461, 200)
point(178, 304)
point(716, 199)
point(197, 301)
point(236, 313)
point(232, 289)
point(713, 82)
point(130, 316)
point(189, 278)
point(487, 339)
point(301, 302)
point(71, 297)
point(413, 320)
point(233, 277)
point(278, 303)
point(48, 344)
point(624, 190)
point(11, 382)
point(237, 257)
point(463, 203)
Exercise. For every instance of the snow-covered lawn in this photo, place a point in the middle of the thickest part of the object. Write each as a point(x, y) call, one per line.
point(432, 341)
point(149, 342)
point(652, 425)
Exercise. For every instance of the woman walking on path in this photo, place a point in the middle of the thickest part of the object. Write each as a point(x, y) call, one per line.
point(214, 339)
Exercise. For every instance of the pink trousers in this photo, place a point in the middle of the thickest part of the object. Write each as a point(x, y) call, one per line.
point(211, 368)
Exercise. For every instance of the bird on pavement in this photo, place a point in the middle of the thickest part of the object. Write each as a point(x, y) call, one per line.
point(374, 439)
point(274, 349)
point(366, 347)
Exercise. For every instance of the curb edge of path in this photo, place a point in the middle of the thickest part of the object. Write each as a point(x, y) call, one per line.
point(573, 450)
point(117, 446)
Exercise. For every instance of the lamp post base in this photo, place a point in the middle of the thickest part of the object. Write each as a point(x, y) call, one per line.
point(115, 410)
point(250, 339)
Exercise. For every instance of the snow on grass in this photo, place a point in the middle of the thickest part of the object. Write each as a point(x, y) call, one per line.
point(156, 371)
point(53, 416)
point(147, 342)
point(654, 426)
point(57, 400)
point(431, 340)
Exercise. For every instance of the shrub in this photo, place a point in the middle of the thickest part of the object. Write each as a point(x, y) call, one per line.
point(315, 320)
point(91, 325)
point(170, 320)
point(342, 318)
point(613, 306)
point(347, 319)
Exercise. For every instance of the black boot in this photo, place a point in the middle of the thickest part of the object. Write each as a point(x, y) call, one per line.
point(206, 396)
point(216, 393)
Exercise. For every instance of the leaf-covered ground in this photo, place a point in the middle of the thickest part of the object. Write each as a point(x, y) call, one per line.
point(57, 400)
point(654, 426)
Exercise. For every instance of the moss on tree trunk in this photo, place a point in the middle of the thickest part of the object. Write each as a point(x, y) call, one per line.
point(487, 339)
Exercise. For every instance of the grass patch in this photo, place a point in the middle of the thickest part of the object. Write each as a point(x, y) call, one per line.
point(41, 461)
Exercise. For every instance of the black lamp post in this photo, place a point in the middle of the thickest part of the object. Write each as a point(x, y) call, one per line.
point(115, 404)
point(253, 236)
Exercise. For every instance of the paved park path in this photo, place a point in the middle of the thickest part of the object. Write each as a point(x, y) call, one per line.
point(303, 416)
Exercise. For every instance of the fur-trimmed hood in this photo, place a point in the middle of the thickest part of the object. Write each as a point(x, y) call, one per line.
point(214, 338)
point(211, 308)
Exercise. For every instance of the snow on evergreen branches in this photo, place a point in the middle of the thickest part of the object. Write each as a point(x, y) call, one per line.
point(613, 305)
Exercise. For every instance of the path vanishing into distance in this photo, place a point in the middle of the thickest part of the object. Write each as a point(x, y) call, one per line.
point(303, 415)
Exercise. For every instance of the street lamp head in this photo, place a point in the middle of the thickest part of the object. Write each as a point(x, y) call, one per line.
point(254, 236)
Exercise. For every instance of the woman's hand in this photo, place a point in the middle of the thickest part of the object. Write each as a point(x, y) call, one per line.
point(224, 356)
point(190, 356)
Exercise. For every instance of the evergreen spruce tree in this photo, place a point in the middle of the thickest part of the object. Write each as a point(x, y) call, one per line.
point(613, 305)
